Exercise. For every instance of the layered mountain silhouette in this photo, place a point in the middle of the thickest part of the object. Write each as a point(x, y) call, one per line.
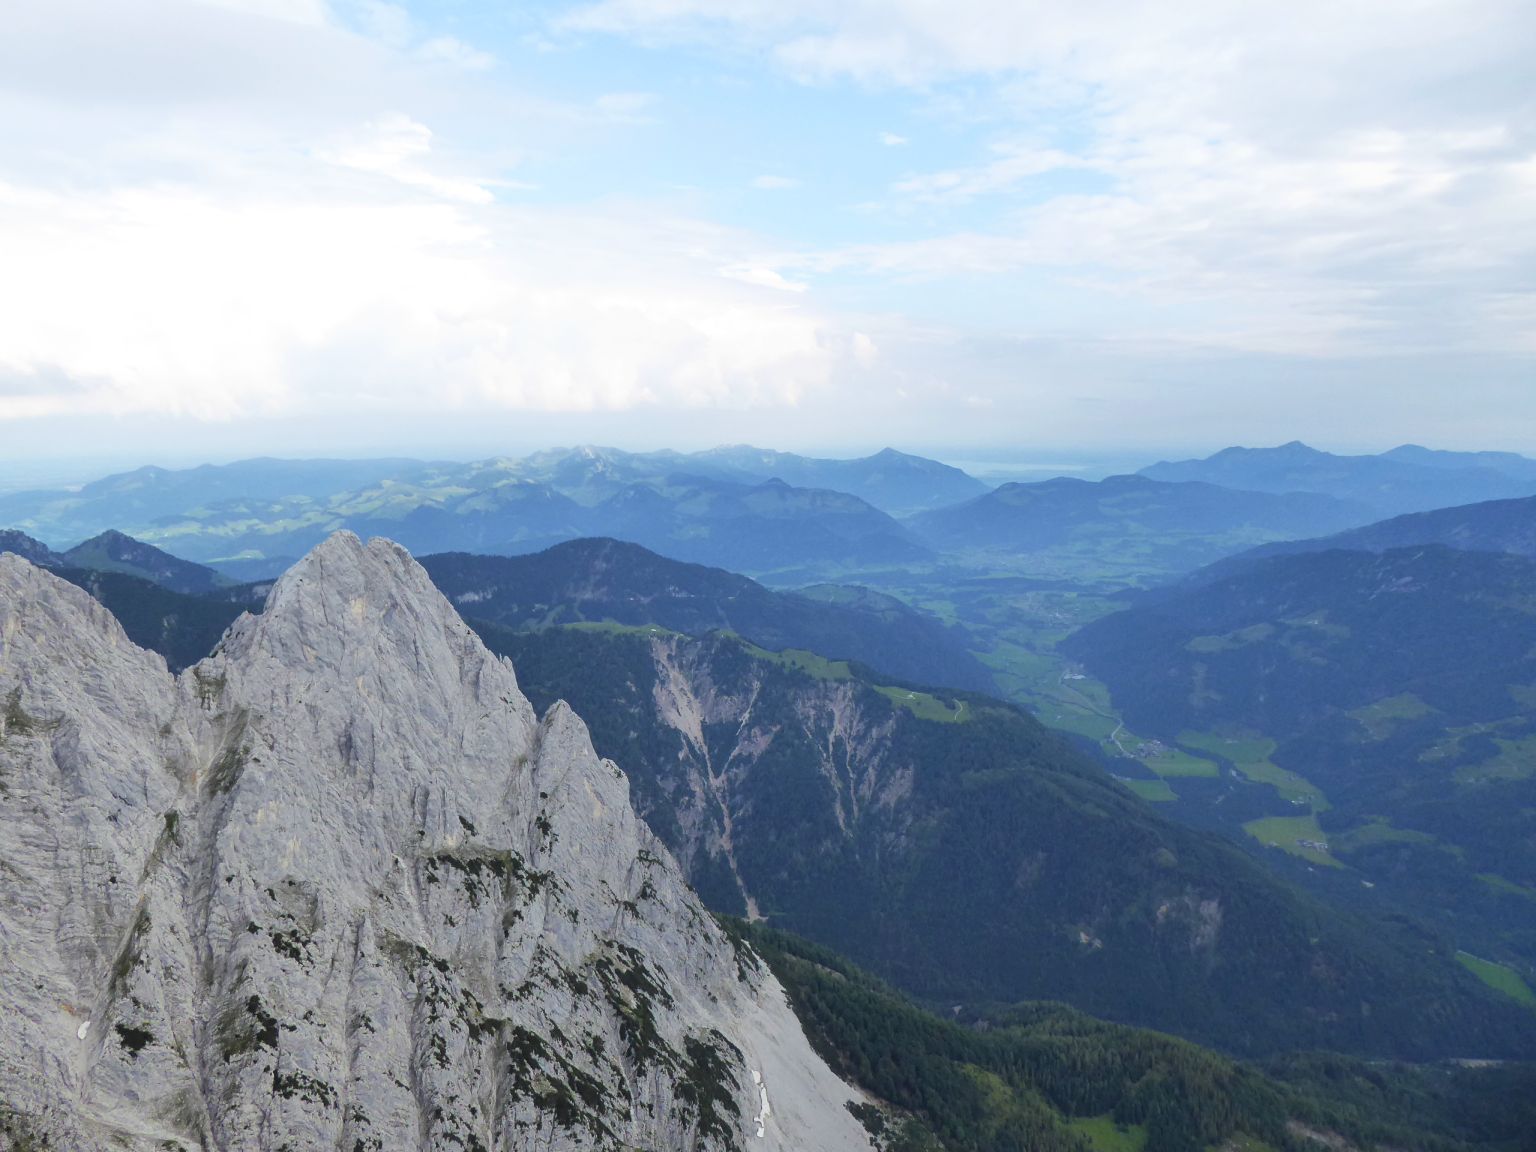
point(1127, 524)
point(597, 581)
point(1491, 526)
point(941, 836)
point(742, 508)
point(1407, 479)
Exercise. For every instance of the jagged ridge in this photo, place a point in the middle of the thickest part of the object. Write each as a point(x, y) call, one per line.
point(338, 887)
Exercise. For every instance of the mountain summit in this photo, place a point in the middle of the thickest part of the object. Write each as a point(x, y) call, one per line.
point(338, 886)
point(1407, 479)
point(112, 551)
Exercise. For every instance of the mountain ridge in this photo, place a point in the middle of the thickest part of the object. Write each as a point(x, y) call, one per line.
point(114, 551)
point(354, 789)
point(766, 527)
point(1487, 526)
point(599, 579)
point(850, 762)
point(1136, 523)
point(1196, 1094)
point(198, 512)
point(1407, 479)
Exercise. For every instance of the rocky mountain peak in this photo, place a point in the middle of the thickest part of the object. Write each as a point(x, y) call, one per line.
point(328, 589)
point(23, 545)
point(355, 610)
point(337, 886)
point(45, 620)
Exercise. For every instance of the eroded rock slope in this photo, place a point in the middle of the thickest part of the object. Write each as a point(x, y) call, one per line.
point(339, 887)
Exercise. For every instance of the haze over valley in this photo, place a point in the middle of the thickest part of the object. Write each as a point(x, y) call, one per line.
point(681, 576)
point(1245, 765)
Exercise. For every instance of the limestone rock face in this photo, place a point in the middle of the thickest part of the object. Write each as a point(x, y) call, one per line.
point(338, 887)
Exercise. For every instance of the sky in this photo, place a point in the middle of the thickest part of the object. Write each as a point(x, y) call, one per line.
point(456, 227)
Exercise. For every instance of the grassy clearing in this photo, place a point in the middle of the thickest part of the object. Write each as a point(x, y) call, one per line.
point(1444, 748)
point(1156, 791)
point(808, 662)
point(1230, 640)
point(926, 707)
point(1449, 747)
point(1078, 706)
point(613, 628)
point(1287, 834)
point(1074, 702)
point(1515, 760)
point(1289, 786)
point(1106, 1136)
point(923, 705)
point(1378, 832)
point(1319, 623)
point(1245, 749)
point(1016, 631)
point(1379, 719)
point(1498, 977)
point(1250, 756)
point(1175, 762)
point(1069, 718)
point(1021, 669)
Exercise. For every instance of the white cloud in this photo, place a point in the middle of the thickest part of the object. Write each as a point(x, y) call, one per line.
point(1014, 163)
point(389, 23)
point(289, 208)
point(392, 24)
point(892, 140)
point(770, 183)
point(240, 216)
point(454, 52)
point(760, 275)
point(625, 107)
point(294, 11)
point(395, 146)
point(1317, 178)
point(168, 300)
point(1365, 245)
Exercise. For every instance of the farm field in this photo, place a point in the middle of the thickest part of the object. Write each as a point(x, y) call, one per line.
point(1499, 976)
point(1296, 835)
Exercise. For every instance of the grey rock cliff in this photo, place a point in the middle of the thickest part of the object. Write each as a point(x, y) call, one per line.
point(339, 888)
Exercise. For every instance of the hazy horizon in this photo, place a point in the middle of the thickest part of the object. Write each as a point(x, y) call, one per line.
point(236, 227)
point(993, 463)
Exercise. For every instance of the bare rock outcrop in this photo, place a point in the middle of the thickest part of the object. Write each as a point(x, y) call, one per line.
point(337, 887)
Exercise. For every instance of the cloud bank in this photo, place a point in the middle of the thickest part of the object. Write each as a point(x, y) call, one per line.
point(1184, 218)
point(241, 223)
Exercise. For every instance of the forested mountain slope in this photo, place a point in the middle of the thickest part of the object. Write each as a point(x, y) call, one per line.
point(1398, 687)
point(962, 851)
point(596, 580)
point(1492, 526)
